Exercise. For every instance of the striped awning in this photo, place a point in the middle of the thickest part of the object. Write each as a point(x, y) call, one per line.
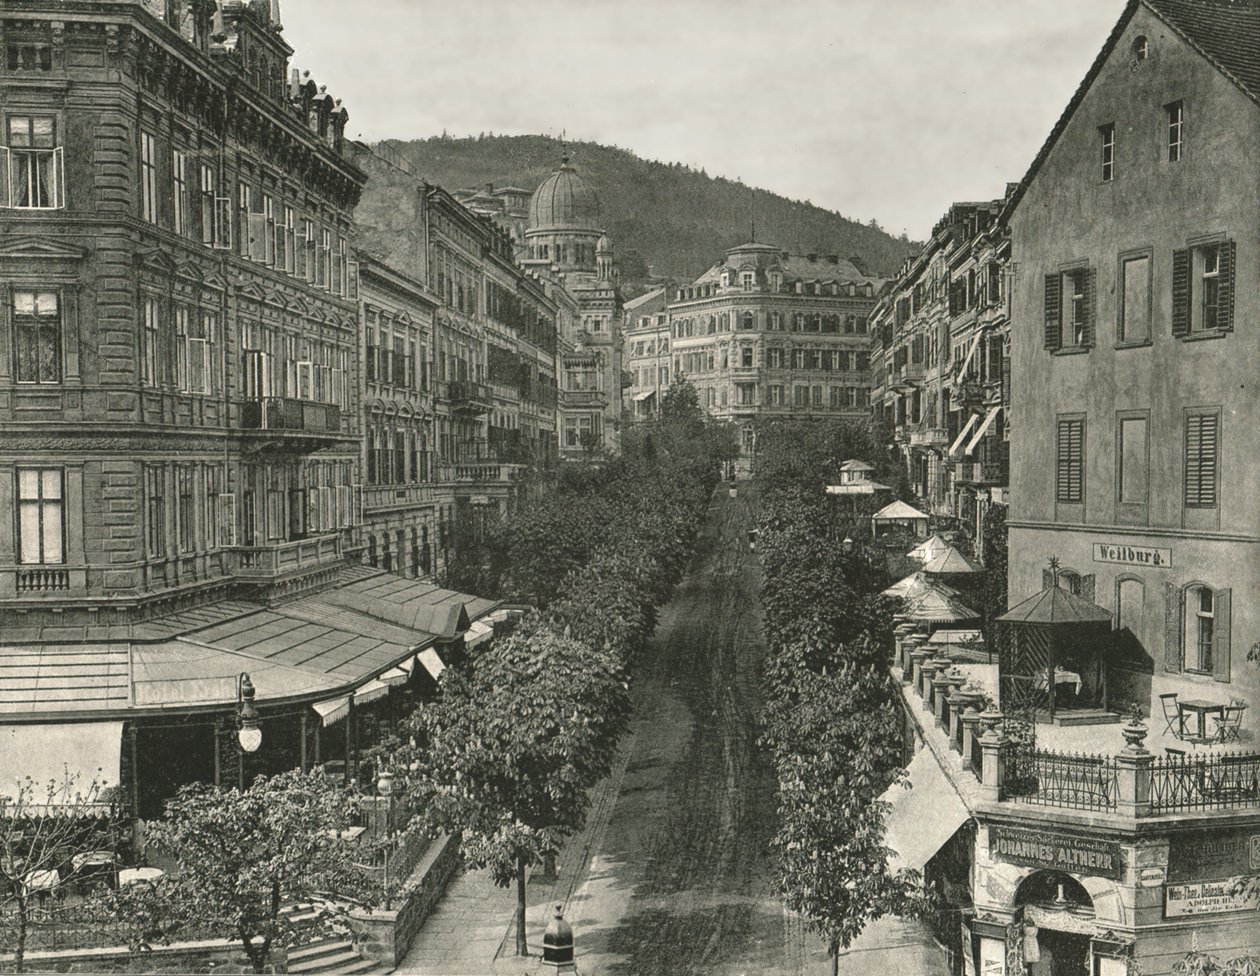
point(983, 428)
point(374, 689)
point(333, 710)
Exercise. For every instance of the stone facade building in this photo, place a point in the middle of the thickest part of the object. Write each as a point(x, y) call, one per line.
point(647, 357)
point(764, 333)
point(940, 347)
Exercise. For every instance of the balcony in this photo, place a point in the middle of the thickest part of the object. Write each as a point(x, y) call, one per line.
point(982, 473)
point(478, 472)
point(291, 417)
point(582, 398)
point(42, 579)
point(378, 498)
point(929, 437)
point(465, 396)
point(287, 558)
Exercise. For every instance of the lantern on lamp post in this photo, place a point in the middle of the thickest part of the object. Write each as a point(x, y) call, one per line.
point(385, 788)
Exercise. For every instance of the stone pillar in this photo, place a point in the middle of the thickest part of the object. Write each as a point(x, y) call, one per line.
point(1133, 779)
point(917, 657)
point(927, 674)
point(993, 768)
point(942, 685)
point(970, 721)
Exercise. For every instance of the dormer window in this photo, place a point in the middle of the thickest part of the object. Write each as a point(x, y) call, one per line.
point(747, 280)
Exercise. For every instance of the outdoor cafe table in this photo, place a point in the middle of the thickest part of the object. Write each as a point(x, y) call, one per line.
point(131, 875)
point(1200, 707)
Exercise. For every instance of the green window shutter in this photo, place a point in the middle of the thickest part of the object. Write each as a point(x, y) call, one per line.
point(1069, 470)
point(1181, 293)
point(1054, 308)
point(1220, 636)
point(1172, 628)
point(1227, 254)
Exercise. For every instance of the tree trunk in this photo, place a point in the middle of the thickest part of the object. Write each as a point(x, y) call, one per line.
point(19, 951)
point(835, 959)
point(522, 948)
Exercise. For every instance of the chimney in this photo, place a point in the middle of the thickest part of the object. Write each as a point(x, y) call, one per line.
point(489, 188)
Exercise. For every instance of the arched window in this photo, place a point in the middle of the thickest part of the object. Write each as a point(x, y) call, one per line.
point(1130, 602)
point(1200, 628)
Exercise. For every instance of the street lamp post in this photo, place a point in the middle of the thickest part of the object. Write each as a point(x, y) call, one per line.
point(248, 733)
point(385, 788)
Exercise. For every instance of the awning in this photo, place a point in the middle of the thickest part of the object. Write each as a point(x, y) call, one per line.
point(333, 710)
point(640, 397)
point(374, 689)
point(971, 352)
point(983, 428)
point(74, 753)
point(432, 663)
point(408, 665)
point(923, 816)
point(477, 634)
point(971, 422)
point(396, 676)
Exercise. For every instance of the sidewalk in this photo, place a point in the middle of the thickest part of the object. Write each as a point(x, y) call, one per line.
point(472, 930)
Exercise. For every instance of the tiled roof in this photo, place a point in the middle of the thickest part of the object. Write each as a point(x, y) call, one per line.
point(1225, 32)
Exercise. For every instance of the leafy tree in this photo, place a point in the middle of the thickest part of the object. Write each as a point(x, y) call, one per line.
point(507, 754)
point(39, 823)
point(244, 855)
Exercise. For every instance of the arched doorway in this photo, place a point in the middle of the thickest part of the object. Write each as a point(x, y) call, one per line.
point(1059, 917)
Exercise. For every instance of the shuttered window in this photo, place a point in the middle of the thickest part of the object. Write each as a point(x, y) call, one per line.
point(1202, 437)
point(1070, 466)
point(1069, 309)
point(1203, 289)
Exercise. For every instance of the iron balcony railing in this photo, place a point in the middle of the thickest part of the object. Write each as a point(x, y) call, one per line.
point(1220, 781)
point(1075, 781)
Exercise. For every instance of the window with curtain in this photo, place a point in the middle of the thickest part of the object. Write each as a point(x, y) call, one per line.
point(41, 516)
point(37, 336)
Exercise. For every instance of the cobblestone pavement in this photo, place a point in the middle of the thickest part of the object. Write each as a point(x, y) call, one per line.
point(673, 872)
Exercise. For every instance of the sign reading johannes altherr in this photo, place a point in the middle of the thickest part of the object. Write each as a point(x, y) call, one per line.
point(1055, 850)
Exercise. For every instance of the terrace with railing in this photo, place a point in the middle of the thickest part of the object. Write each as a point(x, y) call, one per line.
point(999, 762)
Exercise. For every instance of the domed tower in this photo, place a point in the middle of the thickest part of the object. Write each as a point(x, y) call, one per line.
point(564, 227)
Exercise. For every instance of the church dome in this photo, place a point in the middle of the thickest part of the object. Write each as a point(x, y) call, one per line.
point(564, 200)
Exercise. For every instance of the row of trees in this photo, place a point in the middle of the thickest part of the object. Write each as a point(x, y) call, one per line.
point(831, 719)
point(507, 756)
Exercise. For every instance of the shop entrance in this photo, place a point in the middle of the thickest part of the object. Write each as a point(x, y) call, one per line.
point(1059, 915)
point(1062, 954)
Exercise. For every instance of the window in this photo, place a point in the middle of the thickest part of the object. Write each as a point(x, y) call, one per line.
point(1176, 115)
point(776, 396)
point(746, 356)
point(37, 336)
point(155, 509)
point(306, 252)
point(1200, 626)
point(1135, 299)
point(41, 516)
point(747, 279)
point(1132, 457)
point(1203, 289)
point(206, 204)
point(270, 230)
point(1201, 460)
point(323, 269)
point(179, 179)
point(341, 279)
point(1107, 133)
point(149, 341)
point(748, 322)
point(1141, 48)
point(244, 205)
point(1069, 309)
point(185, 504)
point(798, 358)
point(776, 357)
point(800, 396)
point(776, 322)
point(285, 242)
point(745, 394)
point(1070, 464)
point(213, 507)
point(148, 177)
point(35, 163)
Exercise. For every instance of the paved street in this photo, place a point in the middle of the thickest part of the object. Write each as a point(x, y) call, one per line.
point(673, 873)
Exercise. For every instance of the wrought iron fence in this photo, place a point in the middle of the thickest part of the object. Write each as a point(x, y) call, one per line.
point(1076, 781)
point(1219, 781)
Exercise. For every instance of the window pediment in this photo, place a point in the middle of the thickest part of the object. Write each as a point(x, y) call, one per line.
point(41, 248)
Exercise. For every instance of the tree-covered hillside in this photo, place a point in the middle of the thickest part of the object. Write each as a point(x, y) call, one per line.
point(674, 218)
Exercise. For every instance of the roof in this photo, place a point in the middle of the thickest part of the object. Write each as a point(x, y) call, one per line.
point(656, 294)
point(1225, 32)
point(329, 642)
point(898, 510)
point(929, 548)
point(916, 585)
point(949, 562)
point(935, 603)
point(856, 465)
point(1055, 605)
point(564, 199)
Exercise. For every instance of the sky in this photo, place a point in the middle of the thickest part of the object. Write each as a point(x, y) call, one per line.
point(880, 109)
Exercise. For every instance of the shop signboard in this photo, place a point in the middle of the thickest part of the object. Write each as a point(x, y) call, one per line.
point(1130, 555)
point(1241, 894)
point(1056, 850)
point(1213, 855)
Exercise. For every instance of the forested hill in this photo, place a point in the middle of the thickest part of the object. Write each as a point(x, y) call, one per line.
point(669, 216)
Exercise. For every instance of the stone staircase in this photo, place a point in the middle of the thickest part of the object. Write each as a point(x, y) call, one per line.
point(326, 953)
